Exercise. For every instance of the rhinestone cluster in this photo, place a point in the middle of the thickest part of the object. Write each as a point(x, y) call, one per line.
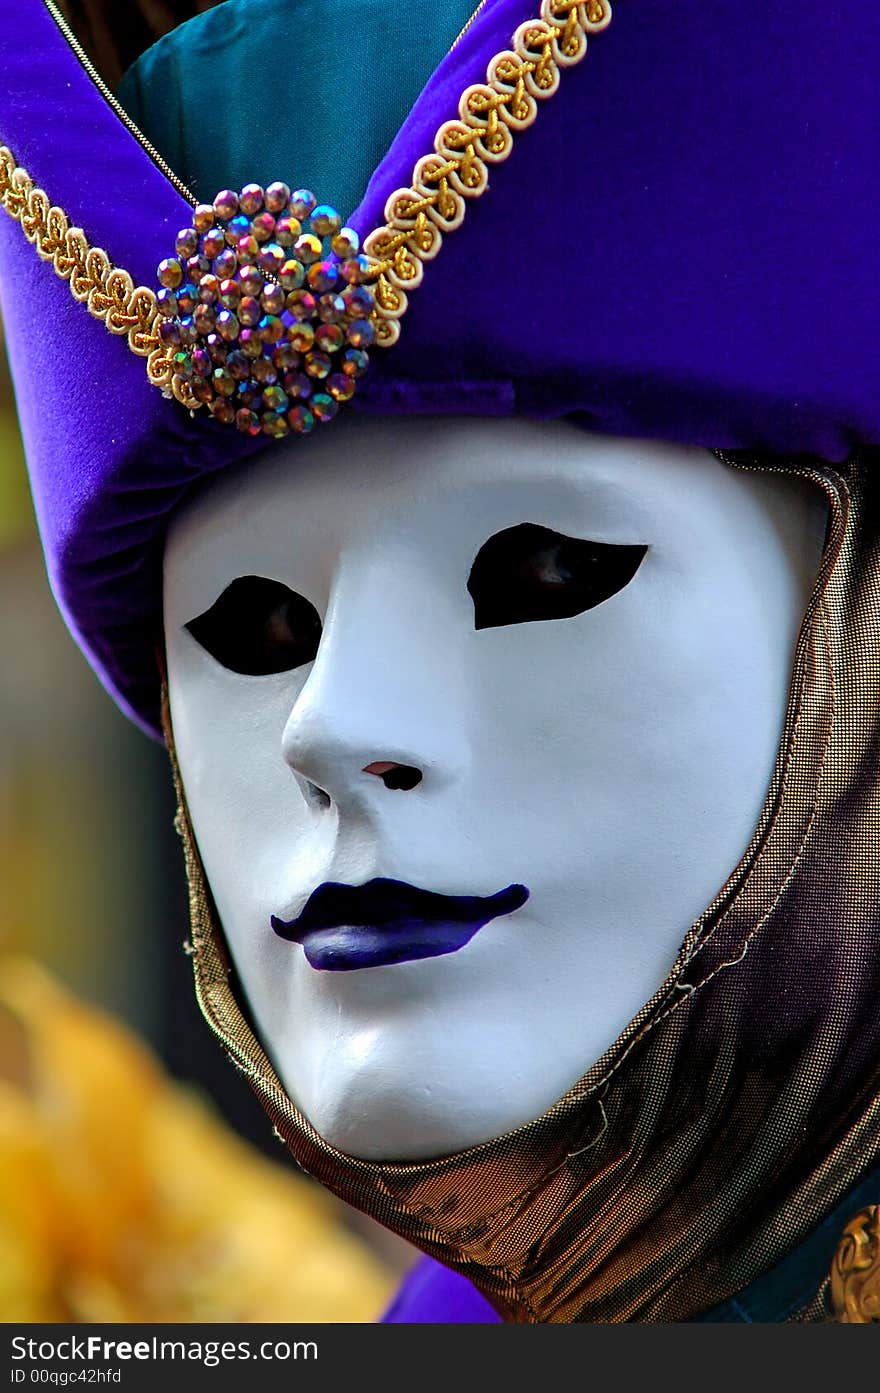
point(265, 311)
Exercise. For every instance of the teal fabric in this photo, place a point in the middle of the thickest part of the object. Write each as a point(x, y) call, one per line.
point(309, 91)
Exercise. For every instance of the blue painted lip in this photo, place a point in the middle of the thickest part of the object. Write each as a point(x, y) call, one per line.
point(346, 927)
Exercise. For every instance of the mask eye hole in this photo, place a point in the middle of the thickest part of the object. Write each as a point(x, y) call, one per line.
point(529, 573)
point(259, 626)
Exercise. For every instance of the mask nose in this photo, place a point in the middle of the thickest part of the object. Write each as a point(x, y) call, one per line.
point(381, 712)
point(332, 745)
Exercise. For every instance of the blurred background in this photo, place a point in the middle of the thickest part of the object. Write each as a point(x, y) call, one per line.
point(123, 1192)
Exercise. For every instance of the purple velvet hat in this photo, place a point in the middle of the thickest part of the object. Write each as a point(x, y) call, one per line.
point(681, 244)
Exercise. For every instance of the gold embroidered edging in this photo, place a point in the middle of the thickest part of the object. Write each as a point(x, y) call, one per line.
point(855, 1270)
point(489, 116)
point(108, 292)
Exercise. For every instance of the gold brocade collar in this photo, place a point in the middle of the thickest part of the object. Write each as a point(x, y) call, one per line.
point(742, 1103)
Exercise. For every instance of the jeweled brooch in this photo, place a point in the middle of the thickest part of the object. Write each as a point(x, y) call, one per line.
point(264, 310)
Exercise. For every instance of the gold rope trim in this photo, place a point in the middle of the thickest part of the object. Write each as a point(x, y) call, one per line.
point(855, 1270)
point(489, 116)
point(108, 292)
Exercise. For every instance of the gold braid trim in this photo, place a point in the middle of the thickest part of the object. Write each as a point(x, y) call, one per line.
point(489, 115)
point(855, 1271)
point(108, 292)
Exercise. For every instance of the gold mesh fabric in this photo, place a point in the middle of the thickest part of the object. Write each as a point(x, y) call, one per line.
point(743, 1101)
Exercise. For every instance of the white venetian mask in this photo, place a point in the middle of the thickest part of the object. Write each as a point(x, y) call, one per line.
point(508, 697)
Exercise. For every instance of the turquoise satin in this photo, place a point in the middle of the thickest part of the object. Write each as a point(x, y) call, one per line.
point(257, 90)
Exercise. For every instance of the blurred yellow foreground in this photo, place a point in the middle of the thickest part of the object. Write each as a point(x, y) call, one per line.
point(122, 1198)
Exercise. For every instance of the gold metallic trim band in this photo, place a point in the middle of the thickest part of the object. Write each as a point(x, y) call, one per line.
point(108, 292)
point(855, 1271)
point(489, 116)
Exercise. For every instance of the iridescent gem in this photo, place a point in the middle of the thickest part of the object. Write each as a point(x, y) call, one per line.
point(250, 395)
point(325, 220)
point(230, 294)
point(239, 226)
point(247, 421)
point(182, 363)
point(167, 302)
point(209, 288)
point(323, 276)
point(187, 327)
point(263, 227)
point(300, 419)
point(346, 243)
point(223, 381)
point(251, 199)
point(285, 356)
point(217, 349)
point(239, 364)
point(202, 390)
point(301, 304)
point(250, 311)
point(317, 365)
point(213, 242)
point(356, 269)
point(275, 398)
point(274, 425)
point(264, 371)
point(355, 362)
point(331, 309)
point(251, 281)
point(308, 248)
point(226, 264)
point(360, 333)
point(273, 299)
point(187, 243)
point(271, 328)
point(226, 205)
point(359, 301)
point(196, 267)
point(186, 298)
point(169, 332)
point(203, 217)
point(227, 325)
point(170, 273)
point(201, 362)
point(271, 259)
point(222, 410)
point(297, 385)
point(205, 320)
point(329, 337)
point(324, 407)
point(292, 274)
point(340, 387)
point(277, 196)
point(302, 336)
point(250, 342)
point(287, 230)
point(302, 201)
point(247, 249)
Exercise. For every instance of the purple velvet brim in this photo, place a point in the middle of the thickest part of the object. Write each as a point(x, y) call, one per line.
point(683, 246)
